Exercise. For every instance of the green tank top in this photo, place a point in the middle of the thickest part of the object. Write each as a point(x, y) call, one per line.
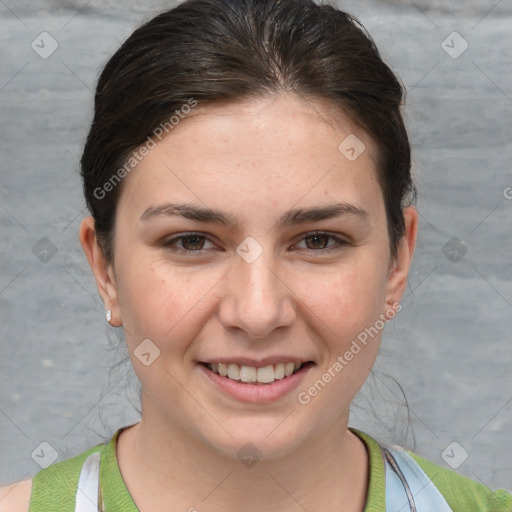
point(54, 489)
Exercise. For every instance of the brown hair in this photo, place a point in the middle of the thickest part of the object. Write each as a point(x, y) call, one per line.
point(214, 51)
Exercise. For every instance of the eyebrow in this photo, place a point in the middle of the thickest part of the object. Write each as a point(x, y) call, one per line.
point(289, 218)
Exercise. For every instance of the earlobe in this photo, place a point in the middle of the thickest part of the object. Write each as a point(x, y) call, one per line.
point(101, 268)
point(399, 271)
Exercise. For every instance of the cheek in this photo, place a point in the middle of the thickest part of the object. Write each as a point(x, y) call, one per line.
point(164, 301)
point(351, 327)
point(160, 301)
point(346, 299)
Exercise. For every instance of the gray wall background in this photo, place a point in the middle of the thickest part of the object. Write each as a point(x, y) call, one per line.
point(449, 349)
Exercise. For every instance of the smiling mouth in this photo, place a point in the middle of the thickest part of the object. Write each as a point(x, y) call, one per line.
point(252, 375)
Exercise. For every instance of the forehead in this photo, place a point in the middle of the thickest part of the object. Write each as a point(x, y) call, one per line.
point(256, 155)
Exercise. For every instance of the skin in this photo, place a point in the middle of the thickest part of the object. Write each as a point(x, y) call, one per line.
point(254, 160)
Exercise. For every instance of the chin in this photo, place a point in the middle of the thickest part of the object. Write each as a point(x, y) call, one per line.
point(257, 439)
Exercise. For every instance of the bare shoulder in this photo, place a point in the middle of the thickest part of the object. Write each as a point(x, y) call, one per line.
point(16, 497)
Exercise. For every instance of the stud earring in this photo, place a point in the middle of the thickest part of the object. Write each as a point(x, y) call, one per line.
point(109, 315)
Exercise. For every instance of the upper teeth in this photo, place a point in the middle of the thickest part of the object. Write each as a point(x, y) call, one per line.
point(265, 375)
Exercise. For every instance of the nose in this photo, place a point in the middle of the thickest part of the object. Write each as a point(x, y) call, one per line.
point(257, 298)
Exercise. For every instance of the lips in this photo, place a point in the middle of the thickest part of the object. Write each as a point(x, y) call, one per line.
point(254, 392)
point(256, 374)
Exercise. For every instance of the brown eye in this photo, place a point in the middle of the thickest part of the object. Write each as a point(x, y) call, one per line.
point(317, 243)
point(191, 243)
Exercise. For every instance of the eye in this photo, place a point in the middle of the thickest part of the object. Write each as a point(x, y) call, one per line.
point(189, 242)
point(193, 243)
point(318, 241)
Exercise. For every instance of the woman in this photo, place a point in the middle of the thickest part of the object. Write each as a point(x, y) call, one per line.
point(248, 177)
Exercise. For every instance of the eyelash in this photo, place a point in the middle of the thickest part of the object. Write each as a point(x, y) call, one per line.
point(169, 244)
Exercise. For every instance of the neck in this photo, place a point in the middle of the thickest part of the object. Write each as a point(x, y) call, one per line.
point(163, 464)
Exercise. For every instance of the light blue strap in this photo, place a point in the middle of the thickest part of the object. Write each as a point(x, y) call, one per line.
point(408, 488)
point(88, 485)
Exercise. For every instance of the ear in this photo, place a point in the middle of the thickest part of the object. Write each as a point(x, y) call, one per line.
point(399, 266)
point(103, 270)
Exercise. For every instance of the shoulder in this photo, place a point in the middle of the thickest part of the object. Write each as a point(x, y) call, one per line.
point(462, 493)
point(16, 497)
point(51, 489)
point(54, 488)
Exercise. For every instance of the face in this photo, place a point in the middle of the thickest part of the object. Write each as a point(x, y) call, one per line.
point(288, 261)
